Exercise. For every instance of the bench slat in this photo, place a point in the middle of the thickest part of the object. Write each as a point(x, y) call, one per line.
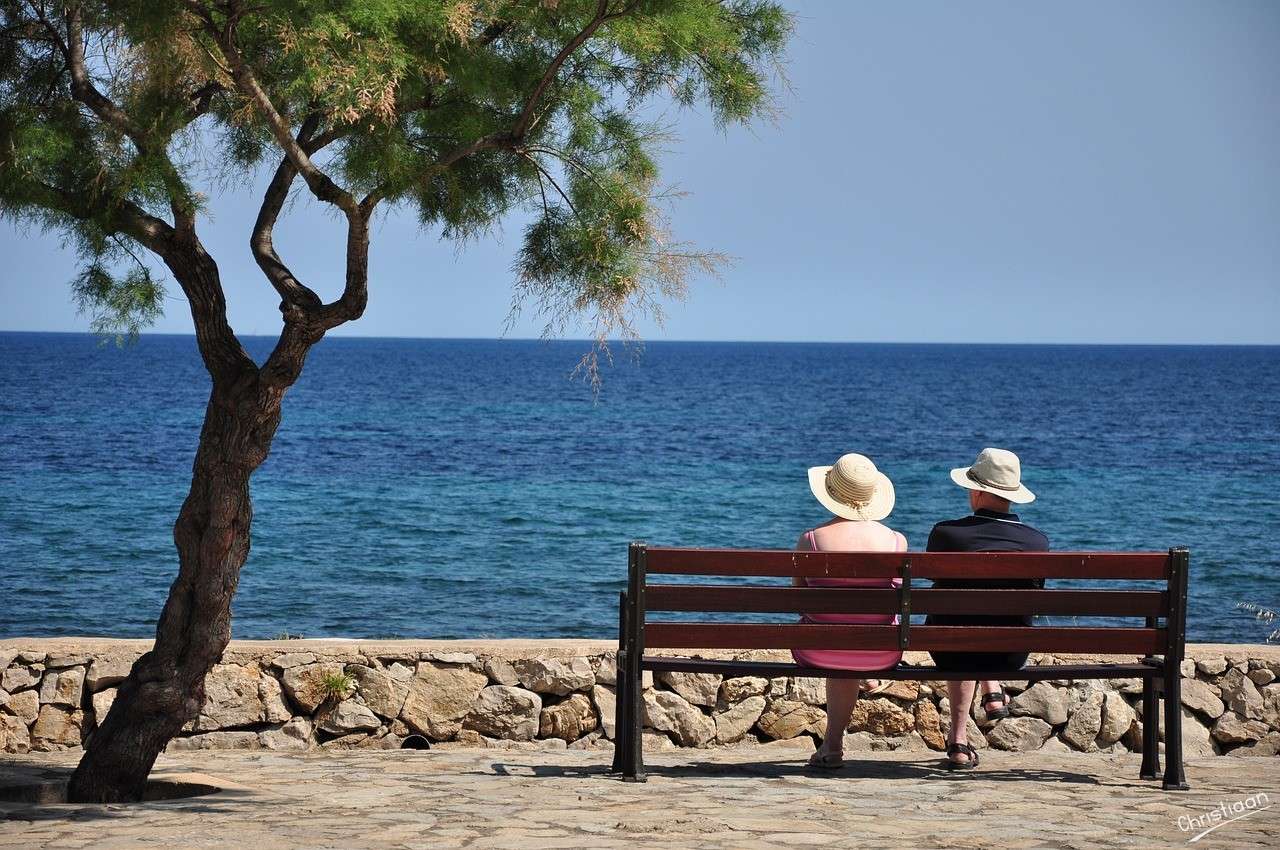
point(863, 600)
point(945, 638)
point(973, 565)
point(773, 669)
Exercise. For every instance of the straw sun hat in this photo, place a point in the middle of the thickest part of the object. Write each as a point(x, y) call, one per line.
point(996, 471)
point(853, 488)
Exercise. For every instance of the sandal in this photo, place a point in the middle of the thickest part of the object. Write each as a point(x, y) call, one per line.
point(823, 760)
point(961, 750)
point(879, 687)
point(996, 713)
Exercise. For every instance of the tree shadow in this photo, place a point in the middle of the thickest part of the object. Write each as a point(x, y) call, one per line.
point(34, 792)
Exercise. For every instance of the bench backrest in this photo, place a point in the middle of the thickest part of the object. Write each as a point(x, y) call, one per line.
point(1163, 608)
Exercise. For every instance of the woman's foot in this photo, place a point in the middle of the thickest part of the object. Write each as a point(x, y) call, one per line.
point(961, 757)
point(827, 759)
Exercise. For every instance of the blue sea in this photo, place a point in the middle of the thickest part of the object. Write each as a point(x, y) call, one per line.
point(468, 488)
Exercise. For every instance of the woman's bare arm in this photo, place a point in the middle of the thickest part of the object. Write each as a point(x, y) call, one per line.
point(802, 545)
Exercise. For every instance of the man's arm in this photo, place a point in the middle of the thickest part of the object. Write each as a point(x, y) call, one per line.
point(939, 540)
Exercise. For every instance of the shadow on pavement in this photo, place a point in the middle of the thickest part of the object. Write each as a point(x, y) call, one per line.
point(913, 771)
point(35, 792)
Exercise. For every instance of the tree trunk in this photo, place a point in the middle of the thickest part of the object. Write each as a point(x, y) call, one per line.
point(165, 689)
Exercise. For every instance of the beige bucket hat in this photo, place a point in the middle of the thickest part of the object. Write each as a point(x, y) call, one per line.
point(853, 488)
point(996, 471)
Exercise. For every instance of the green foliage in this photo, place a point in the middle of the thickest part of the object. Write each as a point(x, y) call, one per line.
point(337, 686)
point(119, 306)
point(419, 102)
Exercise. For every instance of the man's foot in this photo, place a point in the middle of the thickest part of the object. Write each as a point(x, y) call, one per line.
point(996, 705)
point(871, 687)
point(961, 757)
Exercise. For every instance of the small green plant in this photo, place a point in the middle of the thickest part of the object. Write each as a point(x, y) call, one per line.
point(337, 686)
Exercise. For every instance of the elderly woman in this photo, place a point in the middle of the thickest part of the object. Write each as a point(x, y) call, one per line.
point(860, 496)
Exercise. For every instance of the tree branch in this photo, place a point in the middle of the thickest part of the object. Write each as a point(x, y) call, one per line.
point(84, 91)
point(294, 294)
point(320, 184)
point(525, 121)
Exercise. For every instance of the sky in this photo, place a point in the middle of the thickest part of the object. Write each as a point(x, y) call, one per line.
point(1083, 172)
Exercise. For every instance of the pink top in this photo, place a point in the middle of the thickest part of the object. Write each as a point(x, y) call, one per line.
point(855, 537)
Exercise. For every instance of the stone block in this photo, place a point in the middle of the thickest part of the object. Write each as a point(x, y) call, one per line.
point(384, 694)
point(107, 673)
point(294, 735)
point(1212, 666)
point(58, 725)
point(1202, 699)
point(1019, 734)
point(304, 683)
point(102, 702)
point(695, 688)
point(1041, 700)
point(808, 689)
point(733, 723)
point(25, 705)
point(557, 676)
point(1117, 717)
point(606, 667)
point(882, 717)
point(670, 712)
point(233, 698)
point(741, 687)
point(506, 712)
point(500, 671)
point(1082, 728)
point(1241, 695)
point(928, 725)
point(63, 686)
point(440, 696)
point(605, 700)
point(242, 740)
point(1231, 729)
point(293, 659)
point(347, 717)
point(784, 718)
point(569, 719)
point(14, 735)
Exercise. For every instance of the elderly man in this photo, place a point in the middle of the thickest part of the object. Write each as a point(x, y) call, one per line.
point(994, 482)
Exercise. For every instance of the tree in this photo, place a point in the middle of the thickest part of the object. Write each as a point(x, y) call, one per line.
point(462, 110)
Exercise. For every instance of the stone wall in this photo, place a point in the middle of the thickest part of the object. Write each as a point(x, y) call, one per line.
point(296, 695)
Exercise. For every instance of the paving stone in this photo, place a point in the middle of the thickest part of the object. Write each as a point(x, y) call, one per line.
point(751, 796)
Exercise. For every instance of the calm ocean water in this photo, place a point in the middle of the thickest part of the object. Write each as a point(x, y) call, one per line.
point(458, 488)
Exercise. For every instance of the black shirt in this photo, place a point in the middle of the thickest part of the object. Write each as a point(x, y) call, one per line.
point(986, 531)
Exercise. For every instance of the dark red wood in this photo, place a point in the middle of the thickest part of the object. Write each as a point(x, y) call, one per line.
point(948, 638)
point(765, 562)
point(773, 669)
point(825, 600)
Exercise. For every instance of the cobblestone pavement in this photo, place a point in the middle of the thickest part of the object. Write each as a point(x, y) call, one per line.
point(761, 797)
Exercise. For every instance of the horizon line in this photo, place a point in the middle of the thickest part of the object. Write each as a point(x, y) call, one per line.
point(645, 342)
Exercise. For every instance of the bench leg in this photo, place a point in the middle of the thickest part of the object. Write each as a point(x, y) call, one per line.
point(619, 714)
point(1150, 730)
point(1174, 778)
point(633, 748)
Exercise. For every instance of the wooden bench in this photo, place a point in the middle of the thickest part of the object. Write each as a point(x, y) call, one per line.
point(1162, 610)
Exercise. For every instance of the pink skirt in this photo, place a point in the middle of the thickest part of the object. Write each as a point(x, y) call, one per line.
point(850, 659)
